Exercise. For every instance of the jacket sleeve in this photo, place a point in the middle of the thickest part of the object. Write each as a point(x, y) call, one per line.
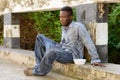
point(88, 43)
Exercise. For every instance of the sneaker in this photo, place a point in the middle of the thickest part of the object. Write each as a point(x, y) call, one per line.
point(28, 72)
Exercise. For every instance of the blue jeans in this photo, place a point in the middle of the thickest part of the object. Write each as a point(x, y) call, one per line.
point(46, 52)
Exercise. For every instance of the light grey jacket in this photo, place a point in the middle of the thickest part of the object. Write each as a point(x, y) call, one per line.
point(74, 38)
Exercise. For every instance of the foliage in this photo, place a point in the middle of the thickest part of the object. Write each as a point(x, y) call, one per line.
point(1, 40)
point(115, 14)
point(114, 30)
point(27, 32)
point(114, 33)
point(47, 23)
point(1, 30)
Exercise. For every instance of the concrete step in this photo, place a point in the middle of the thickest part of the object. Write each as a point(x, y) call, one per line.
point(12, 71)
point(85, 72)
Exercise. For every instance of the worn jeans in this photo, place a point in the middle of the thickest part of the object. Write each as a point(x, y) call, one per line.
point(46, 52)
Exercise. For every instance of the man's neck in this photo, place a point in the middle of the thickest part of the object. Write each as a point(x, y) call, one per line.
point(68, 24)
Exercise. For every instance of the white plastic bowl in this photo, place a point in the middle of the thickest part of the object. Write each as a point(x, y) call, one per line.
point(79, 61)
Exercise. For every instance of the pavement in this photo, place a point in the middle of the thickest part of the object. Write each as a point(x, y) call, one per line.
point(10, 70)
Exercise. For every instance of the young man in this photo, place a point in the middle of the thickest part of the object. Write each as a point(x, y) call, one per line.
point(74, 38)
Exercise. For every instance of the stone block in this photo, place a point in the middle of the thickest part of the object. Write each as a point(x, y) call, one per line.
point(12, 42)
point(101, 34)
point(103, 52)
point(11, 31)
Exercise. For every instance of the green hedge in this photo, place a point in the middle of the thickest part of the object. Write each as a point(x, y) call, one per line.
point(47, 23)
point(114, 33)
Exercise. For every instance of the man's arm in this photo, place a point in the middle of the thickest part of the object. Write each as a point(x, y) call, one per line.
point(88, 43)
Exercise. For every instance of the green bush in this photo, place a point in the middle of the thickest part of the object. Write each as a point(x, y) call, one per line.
point(114, 33)
point(1, 40)
point(47, 23)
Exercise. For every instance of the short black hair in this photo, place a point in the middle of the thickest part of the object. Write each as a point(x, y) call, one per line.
point(68, 9)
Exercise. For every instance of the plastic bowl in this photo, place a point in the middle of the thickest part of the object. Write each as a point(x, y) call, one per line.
point(79, 61)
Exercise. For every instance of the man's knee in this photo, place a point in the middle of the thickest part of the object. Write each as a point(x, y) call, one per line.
point(40, 35)
point(40, 38)
point(51, 54)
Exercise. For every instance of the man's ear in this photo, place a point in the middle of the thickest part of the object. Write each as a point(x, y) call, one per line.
point(71, 17)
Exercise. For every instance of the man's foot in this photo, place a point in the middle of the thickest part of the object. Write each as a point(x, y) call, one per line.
point(28, 72)
point(30, 68)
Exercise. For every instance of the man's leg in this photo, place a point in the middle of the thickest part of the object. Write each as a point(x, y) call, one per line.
point(41, 46)
point(47, 61)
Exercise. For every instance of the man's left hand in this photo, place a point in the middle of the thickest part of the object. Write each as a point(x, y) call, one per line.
point(98, 64)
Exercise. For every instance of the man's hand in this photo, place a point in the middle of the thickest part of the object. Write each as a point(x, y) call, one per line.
point(98, 64)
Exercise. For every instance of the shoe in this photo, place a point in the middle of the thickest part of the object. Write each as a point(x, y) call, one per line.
point(30, 68)
point(28, 72)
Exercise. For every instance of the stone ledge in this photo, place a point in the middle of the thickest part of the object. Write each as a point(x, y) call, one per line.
point(85, 72)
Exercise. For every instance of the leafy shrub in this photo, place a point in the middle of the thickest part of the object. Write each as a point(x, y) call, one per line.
point(47, 23)
point(114, 33)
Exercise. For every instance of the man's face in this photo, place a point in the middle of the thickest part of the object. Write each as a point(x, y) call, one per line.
point(65, 18)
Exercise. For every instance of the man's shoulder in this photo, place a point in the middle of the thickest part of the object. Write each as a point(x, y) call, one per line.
point(77, 22)
point(78, 25)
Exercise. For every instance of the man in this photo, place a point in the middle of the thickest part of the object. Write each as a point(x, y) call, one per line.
point(74, 38)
